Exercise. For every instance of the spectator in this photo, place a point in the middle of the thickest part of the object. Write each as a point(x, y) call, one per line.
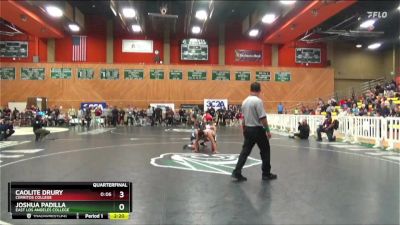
point(212, 111)
point(169, 116)
point(72, 112)
point(56, 114)
point(158, 115)
point(108, 115)
point(114, 114)
point(181, 115)
point(38, 130)
point(304, 130)
point(6, 129)
point(296, 111)
point(327, 127)
point(88, 116)
point(280, 108)
point(220, 115)
point(7, 112)
point(130, 115)
point(150, 115)
point(121, 119)
point(207, 118)
point(14, 114)
point(98, 113)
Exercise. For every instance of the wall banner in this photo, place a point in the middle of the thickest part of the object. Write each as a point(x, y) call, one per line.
point(137, 46)
point(102, 105)
point(244, 55)
point(163, 106)
point(215, 103)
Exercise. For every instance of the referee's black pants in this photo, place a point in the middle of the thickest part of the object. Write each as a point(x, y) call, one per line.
point(252, 136)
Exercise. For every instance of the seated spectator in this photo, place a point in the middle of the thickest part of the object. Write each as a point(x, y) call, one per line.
point(304, 131)
point(72, 112)
point(296, 111)
point(327, 127)
point(6, 129)
point(7, 112)
point(62, 119)
point(355, 110)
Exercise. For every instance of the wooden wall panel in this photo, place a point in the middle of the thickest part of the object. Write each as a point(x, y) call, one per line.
point(306, 86)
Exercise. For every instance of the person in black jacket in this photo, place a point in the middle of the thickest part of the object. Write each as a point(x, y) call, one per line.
point(40, 133)
point(88, 116)
point(158, 115)
point(114, 114)
point(6, 129)
point(304, 131)
point(327, 127)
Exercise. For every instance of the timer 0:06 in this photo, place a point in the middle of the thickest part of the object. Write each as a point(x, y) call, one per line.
point(105, 194)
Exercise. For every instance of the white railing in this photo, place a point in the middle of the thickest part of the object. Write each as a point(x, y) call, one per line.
point(379, 129)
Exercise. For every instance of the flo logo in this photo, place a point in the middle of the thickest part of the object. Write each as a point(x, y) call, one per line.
point(377, 14)
point(218, 163)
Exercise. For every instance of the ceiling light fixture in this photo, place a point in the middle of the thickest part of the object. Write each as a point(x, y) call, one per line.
point(113, 10)
point(201, 14)
point(288, 2)
point(73, 27)
point(398, 8)
point(374, 46)
point(253, 32)
point(196, 29)
point(128, 12)
point(359, 46)
point(268, 18)
point(54, 11)
point(367, 23)
point(136, 28)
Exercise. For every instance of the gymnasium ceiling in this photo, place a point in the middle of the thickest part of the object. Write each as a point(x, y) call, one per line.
point(311, 21)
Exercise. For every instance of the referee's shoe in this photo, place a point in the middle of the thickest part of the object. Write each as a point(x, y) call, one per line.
point(270, 176)
point(239, 177)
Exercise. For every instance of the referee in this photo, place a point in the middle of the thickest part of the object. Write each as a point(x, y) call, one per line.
point(255, 130)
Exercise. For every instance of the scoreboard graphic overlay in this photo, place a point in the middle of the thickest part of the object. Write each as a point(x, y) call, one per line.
point(70, 200)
